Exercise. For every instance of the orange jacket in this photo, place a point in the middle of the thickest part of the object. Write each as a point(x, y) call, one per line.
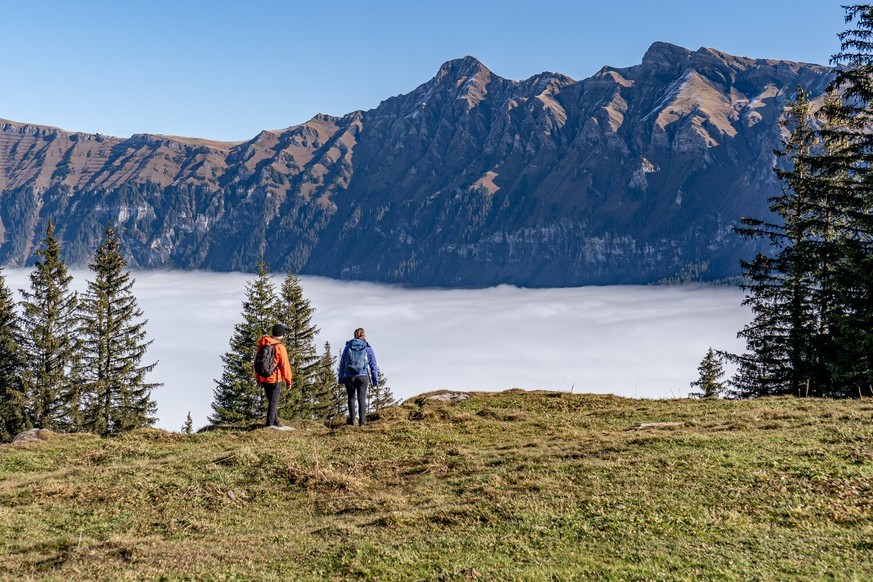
point(283, 365)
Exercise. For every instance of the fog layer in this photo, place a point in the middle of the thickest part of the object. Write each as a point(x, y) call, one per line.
point(625, 340)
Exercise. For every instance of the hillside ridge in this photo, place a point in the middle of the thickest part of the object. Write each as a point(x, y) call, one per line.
point(510, 485)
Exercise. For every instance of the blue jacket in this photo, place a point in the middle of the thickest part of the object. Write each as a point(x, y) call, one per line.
point(371, 361)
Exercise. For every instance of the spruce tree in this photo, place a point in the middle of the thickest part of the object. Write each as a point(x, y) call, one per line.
point(237, 396)
point(380, 395)
point(850, 117)
point(116, 395)
point(852, 366)
point(295, 311)
point(813, 298)
point(328, 398)
point(188, 427)
point(338, 399)
point(710, 373)
point(49, 323)
point(782, 339)
point(12, 396)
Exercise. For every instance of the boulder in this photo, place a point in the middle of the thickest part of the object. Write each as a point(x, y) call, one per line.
point(34, 435)
point(449, 397)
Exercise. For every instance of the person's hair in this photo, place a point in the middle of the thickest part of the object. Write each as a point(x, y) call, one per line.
point(359, 333)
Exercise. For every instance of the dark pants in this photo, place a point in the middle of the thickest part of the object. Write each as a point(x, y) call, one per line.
point(356, 389)
point(271, 390)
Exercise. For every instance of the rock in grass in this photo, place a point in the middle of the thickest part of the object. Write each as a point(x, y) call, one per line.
point(446, 396)
point(648, 425)
point(34, 435)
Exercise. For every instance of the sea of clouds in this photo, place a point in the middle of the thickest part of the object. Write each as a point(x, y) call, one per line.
point(635, 341)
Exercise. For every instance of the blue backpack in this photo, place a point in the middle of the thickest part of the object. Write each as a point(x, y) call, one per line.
point(358, 362)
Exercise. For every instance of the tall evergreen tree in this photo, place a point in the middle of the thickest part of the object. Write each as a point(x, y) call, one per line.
point(237, 397)
point(852, 366)
point(50, 323)
point(782, 339)
point(813, 299)
point(295, 311)
point(850, 118)
point(12, 396)
point(116, 396)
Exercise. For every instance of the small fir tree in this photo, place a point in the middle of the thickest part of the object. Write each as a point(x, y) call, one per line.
point(326, 403)
point(339, 402)
point(12, 397)
point(49, 323)
point(295, 311)
point(116, 396)
point(380, 395)
point(188, 427)
point(237, 396)
point(711, 372)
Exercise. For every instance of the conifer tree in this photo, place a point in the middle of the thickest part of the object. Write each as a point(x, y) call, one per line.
point(326, 403)
point(237, 396)
point(380, 395)
point(49, 323)
point(785, 291)
point(12, 396)
point(850, 117)
point(710, 373)
point(813, 299)
point(116, 395)
point(295, 311)
point(852, 366)
point(188, 427)
point(336, 393)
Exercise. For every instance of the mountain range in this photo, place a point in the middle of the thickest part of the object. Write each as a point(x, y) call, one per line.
point(634, 175)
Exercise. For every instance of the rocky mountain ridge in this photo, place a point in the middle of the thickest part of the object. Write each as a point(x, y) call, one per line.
point(634, 175)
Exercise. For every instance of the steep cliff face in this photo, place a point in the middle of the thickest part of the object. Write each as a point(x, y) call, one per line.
point(634, 175)
point(631, 176)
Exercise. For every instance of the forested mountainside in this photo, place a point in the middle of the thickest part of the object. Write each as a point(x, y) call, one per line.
point(634, 175)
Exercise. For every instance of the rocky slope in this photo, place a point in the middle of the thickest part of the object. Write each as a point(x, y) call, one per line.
point(634, 175)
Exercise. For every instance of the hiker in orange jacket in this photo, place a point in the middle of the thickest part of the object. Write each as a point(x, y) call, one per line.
point(272, 383)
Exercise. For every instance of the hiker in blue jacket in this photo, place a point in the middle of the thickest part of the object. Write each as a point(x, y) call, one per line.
point(357, 369)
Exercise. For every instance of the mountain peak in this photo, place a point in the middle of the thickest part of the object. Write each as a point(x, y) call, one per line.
point(464, 67)
point(666, 55)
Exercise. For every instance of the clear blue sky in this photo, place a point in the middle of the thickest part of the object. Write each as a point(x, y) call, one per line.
point(225, 70)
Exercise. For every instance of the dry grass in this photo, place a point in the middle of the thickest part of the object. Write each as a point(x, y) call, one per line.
point(516, 485)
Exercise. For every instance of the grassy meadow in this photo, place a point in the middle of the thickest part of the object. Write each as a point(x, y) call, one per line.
point(502, 486)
